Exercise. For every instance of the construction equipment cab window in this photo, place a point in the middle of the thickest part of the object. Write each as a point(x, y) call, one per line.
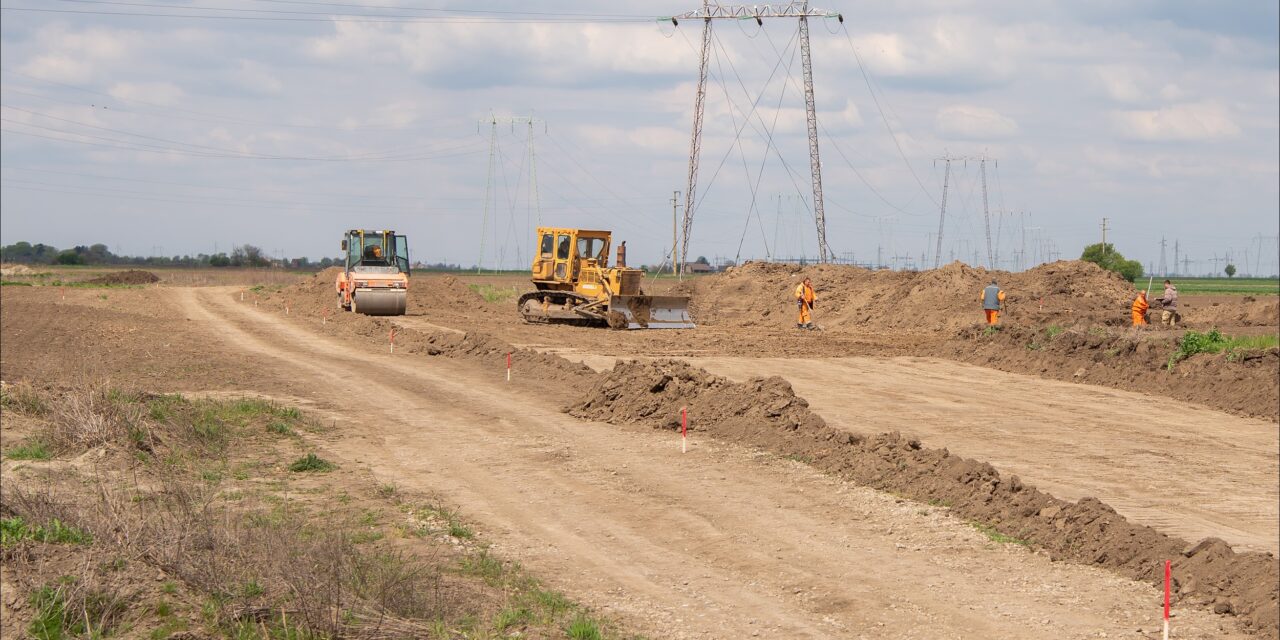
point(548, 245)
point(592, 248)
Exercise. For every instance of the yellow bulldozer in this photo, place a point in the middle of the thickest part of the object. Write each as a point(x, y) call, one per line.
point(375, 278)
point(576, 285)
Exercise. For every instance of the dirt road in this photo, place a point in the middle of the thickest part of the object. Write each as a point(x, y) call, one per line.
point(722, 542)
point(1182, 468)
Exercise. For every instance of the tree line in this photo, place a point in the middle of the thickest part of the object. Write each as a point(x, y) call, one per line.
point(245, 255)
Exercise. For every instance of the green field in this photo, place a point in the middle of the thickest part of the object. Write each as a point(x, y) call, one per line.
point(1240, 286)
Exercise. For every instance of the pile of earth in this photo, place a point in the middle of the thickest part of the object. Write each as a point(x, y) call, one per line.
point(1067, 293)
point(132, 276)
point(1244, 384)
point(1249, 311)
point(16, 270)
point(767, 414)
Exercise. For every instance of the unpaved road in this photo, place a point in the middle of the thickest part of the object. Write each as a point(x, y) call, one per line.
point(1182, 468)
point(721, 542)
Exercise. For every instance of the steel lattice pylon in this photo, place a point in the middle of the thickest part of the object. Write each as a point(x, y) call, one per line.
point(797, 9)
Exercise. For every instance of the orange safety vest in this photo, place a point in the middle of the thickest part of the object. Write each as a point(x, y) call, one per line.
point(1140, 305)
point(804, 293)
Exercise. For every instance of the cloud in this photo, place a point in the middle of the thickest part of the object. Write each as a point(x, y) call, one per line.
point(159, 93)
point(257, 78)
point(967, 122)
point(76, 56)
point(1178, 123)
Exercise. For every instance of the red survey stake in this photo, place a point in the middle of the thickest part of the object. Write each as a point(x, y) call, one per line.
point(508, 367)
point(684, 429)
point(392, 335)
point(1168, 578)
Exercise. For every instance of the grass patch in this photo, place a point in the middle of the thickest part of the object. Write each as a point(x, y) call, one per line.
point(311, 463)
point(584, 627)
point(1053, 331)
point(996, 536)
point(21, 398)
point(280, 428)
point(15, 530)
point(1236, 347)
point(33, 449)
point(14, 283)
point(1229, 286)
point(991, 330)
point(485, 565)
point(492, 293)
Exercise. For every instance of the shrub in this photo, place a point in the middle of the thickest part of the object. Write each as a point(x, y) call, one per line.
point(312, 463)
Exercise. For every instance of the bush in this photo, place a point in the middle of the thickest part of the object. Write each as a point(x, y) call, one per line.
point(1105, 256)
point(312, 462)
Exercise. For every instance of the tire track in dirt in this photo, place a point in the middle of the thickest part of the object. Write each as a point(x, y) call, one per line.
point(720, 543)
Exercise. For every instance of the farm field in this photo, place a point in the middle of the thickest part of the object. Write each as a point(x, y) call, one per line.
point(897, 474)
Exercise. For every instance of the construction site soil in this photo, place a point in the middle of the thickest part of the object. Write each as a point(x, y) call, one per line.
point(746, 311)
point(1065, 321)
point(131, 276)
point(766, 413)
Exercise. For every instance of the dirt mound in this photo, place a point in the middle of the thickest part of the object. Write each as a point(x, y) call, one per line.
point(851, 298)
point(1249, 311)
point(1127, 359)
point(766, 413)
point(132, 276)
point(16, 270)
point(436, 293)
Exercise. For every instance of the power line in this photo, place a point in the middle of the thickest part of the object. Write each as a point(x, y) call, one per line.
point(331, 17)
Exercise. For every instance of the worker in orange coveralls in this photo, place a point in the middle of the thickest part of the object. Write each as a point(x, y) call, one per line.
point(804, 300)
point(992, 302)
point(1140, 307)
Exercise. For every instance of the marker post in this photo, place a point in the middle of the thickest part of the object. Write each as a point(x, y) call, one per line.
point(1168, 575)
point(508, 367)
point(684, 429)
point(392, 335)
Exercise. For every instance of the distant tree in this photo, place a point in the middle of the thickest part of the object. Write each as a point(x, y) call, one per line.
point(702, 260)
point(219, 260)
point(1230, 271)
point(1106, 256)
point(326, 262)
point(70, 257)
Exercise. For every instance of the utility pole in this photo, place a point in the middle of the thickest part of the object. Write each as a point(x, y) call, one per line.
point(675, 236)
point(795, 9)
point(1176, 249)
point(1164, 270)
point(1104, 236)
point(942, 211)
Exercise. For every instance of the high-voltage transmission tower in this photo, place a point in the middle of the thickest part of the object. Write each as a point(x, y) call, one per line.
point(798, 9)
point(489, 188)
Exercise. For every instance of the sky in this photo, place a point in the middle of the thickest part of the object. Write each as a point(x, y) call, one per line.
point(170, 128)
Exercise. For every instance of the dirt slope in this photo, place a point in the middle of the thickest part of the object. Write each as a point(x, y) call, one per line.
point(945, 299)
point(719, 543)
point(765, 412)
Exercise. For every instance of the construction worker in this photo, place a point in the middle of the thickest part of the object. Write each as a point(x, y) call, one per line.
point(1140, 307)
point(804, 300)
point(992, 302)
point(1169, 315)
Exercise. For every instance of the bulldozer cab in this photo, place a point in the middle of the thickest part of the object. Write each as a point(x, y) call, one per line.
point(376, 251)
point(564, 255)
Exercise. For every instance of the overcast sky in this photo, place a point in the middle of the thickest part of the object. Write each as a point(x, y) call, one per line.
point(281, 123)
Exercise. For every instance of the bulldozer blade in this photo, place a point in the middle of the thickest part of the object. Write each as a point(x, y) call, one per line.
point(652, 312)
point(379, 302)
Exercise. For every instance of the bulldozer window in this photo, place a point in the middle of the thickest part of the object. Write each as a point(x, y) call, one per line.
point(548, 245)
point(562, 252)
point(591, 248)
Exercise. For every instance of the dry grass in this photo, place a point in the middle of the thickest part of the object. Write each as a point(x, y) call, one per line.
point(264, 563)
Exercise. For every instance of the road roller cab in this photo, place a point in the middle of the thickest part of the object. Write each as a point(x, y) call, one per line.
point(375, 275)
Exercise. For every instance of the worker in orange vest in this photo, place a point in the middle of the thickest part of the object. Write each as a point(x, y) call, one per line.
point(992, 302)
point(1140, 307)
point(804, 300)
